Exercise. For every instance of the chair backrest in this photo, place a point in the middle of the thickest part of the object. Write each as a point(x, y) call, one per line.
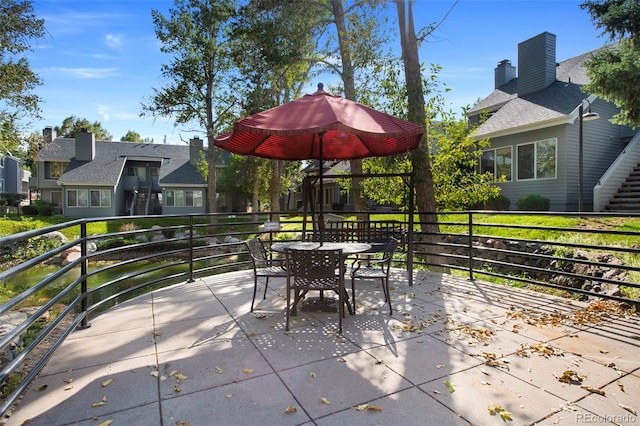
point(313, 265)
point(389, 250)
point(257, 252)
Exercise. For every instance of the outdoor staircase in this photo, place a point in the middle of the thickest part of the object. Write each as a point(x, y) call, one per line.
point(141, 204)
point(627, 197)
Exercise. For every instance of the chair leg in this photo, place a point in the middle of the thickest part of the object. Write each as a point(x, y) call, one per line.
point(387, 294)
point(288, 306)
point(266, 285)
point(255, 289)
point(353, 293)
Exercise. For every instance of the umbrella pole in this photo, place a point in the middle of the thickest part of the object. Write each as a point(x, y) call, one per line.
point(321, 195)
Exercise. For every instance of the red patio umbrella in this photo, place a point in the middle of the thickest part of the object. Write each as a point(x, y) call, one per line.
point(321, 126)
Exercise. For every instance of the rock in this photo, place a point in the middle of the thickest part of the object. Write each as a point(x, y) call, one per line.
point(230, 239)
point(55, 235)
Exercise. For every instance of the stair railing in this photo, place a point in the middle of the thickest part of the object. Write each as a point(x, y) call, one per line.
point(616, 174)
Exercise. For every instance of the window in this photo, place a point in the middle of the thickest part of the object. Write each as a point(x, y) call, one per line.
point(56, 198)
point(53, 169)
point(180, 198)
point(497, 162)
point(537, 160)
point(77, 198)
point(100, 198)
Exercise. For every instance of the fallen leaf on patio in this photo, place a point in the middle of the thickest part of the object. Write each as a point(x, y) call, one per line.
point(603, 352)
point(68, 388)
point(593, 390)
point(157, 333)
point(290, 410)
point(374, 408)
point(313, 375)
point(570, 376)
point(325, 401)
point(437, 392)
point(98, 404)
point(629, 409)
point(620, 385)
point(106, 423)
point(342, 360)
point(218, 370)
point(41, 387)
point(247, 370)
point(379, 361)
point(181, 377)
point(68, 380)
point(440, 366)
point(173, 372)
point(482, 370)
point(449, 386)
point(107, 383)
point(362, 407)
point(155, 373)
point(176, 388)
point(497, 410)
point(182, 423)
point(486, 383)
point(229, 395)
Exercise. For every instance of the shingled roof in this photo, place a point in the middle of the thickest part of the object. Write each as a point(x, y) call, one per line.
point(110, 158)
point(511, 112)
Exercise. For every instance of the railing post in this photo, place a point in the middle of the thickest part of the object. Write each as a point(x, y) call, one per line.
point(84, 268)
point(191, 249)
point(470, 246)
point(410, 231)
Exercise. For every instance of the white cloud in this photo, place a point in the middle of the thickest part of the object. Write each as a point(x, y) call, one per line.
point(114, 40)
point(103, 110)
point(89, 73)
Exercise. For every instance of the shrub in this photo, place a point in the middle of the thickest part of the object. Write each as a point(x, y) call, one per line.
point(500, 202)
point(44, 208)
point(30, 210)
point(533, 203)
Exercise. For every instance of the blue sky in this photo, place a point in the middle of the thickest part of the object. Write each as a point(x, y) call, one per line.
point(100, 58)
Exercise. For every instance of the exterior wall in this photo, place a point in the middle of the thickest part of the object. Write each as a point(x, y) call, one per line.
point(87, 211)
point(536, 63)
point(187, 209)
point(552, 188)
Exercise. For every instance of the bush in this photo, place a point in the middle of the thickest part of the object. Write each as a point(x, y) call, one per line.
point(533, 203)
point(44, 208)
point(499, 202)
point(30, 210)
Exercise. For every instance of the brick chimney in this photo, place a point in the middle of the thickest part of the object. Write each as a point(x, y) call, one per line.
point(49, 134)
point(195, 147)
point(85, 146)
point(504, 73)
point(536, 63)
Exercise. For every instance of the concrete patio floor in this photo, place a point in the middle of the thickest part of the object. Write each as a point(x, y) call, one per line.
point(453, 353)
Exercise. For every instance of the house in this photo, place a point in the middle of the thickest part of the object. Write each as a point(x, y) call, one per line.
point(532, 121)
point(13, 178)
point(83, 177)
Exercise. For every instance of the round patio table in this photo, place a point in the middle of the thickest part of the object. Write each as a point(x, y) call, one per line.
point(323, 304)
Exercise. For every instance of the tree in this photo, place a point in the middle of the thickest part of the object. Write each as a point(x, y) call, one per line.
point(18, 26)
point(72, 125)
point(131, 136)
point(199, 75)
point(614, 71)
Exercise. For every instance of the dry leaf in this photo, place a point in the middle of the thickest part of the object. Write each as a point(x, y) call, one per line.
point(176, 388)
point(68, 388)
point(173, 372)
point(629, 409)
point(98, 404)
point(498, 410)
point(157, 333)
point(155, 373)
point(593, 390)
point(181, 377)
point(107, 383)
point(290, 410)
point(374, 408)
point(379, 361)
point(325, 401)
point(68, 380)
point(440, 366)
point(362, 407)
point(247, 370)
point(229, 395)
point(106, 423)
point(218, 370)
point(41, 387)
point(620, 385)
point(313, 375)
point(182, 423)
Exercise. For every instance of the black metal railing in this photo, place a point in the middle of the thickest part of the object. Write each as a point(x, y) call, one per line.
point(88, 271)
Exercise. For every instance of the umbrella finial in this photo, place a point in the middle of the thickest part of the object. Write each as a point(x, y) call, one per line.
point(320, 86)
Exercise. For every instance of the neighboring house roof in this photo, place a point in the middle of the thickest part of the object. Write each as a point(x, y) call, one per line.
point(110, 158)
point(516, 113)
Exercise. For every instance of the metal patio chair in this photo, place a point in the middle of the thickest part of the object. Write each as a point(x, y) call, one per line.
point(370, 268)
point(263, 266)
point(317, 269)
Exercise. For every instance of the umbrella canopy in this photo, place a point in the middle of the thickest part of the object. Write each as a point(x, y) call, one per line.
point(321, 126)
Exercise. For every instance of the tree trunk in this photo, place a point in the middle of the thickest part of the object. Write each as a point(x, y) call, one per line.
point(425, 196)
point(212, 157)
point(274, 191)
point(348, 81)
